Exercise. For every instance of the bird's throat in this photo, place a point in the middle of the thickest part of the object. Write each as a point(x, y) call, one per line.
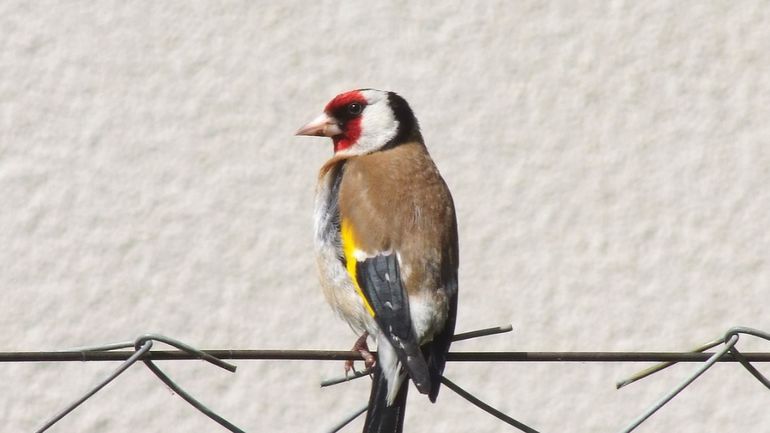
point(341, 142)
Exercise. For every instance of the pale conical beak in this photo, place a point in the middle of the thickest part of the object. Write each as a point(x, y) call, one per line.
point(322, 126)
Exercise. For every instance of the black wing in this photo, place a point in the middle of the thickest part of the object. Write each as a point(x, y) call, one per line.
point(380, 280)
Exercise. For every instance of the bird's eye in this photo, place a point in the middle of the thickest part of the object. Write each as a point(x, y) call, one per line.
point(355, 108)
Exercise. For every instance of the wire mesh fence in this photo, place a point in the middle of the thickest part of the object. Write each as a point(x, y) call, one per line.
point(141, 350)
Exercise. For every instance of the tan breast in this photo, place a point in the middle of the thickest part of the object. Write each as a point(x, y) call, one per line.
point(397, 201)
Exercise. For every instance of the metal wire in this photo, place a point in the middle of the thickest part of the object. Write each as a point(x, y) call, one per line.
point(742, 358)
point(341, 355)
point(355, 414)
point(485, 407)
point(129, 362)
point(656, 368)
point(346, 378)
point(483, 332)
point(666, 398)
point(449, 384)
point(142, 351)
point(730, 340)
point(457, 337)
point(142, 346)
point(178, 389)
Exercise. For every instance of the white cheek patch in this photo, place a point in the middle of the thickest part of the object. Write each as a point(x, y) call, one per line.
point(378, 125)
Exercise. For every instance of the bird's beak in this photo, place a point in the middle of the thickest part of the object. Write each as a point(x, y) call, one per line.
point(322, 126)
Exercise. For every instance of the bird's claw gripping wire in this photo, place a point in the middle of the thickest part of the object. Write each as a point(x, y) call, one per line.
point(449, 384)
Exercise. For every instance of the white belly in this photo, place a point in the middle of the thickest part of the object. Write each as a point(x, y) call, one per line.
point(340, 293)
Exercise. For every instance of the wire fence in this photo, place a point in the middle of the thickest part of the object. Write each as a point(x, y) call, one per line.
point(141, 350)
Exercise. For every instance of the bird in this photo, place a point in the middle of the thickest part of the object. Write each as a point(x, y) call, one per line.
point(386, 245)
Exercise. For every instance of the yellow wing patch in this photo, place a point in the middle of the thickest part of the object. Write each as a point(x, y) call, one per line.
point(348, 248)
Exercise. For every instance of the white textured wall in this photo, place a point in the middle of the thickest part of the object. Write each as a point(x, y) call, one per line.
point(610, 165)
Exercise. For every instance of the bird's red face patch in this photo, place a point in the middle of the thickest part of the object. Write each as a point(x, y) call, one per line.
point(346, 108)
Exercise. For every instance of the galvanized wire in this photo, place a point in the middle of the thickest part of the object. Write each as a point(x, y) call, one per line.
point(666, 398)
point(487, 408)
point(348, 419)
point(142, 346)
point(178, 389)
point(342, 355)
point(142, 351)
point(730, 340)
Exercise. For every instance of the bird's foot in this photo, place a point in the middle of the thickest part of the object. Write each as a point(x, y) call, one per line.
point(361, 347)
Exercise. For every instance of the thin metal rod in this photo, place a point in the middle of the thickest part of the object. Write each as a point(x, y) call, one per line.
point(483, 332)
point(741, 357)
point(457, 337)
point(103, 347)
point(199, 354)
point(737, 355)
point(750, 368)
point(128, 363)
point(355, 414)
point(663, 365)
point(178, 389)
point(190, 399)
point(341, 355)
point(346, 378)
point(730, 340)
point(598, 357)
point(666, 398)
point(485, 407)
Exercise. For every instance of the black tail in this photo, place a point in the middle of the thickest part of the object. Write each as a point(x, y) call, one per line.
point(381, 418)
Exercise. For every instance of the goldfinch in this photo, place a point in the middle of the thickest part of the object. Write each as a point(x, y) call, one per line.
point(386, 244)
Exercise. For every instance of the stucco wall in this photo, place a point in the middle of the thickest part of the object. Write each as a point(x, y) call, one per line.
point(610, 166)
